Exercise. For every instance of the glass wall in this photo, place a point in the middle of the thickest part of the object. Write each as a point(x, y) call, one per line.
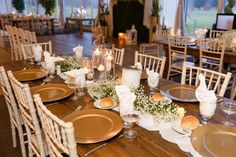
point(200, 14)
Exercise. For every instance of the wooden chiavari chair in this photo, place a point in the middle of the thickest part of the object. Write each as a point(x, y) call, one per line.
point(28, 52)
point(59, 135)
point(151, 62)
point(177, 55)
point(24, 98)
point(215, 81)
point(150, 49)
point(212, 54)
point(14, 112)
point(215, 33)
point(118, 55)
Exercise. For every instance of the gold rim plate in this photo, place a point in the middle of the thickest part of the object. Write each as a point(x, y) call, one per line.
point(215, 140)
point(52, 92)
point(97, 105)
point(94, 125)
point(29, 75)
point(179, 92)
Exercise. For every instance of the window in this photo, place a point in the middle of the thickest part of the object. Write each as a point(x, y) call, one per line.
point(200, 14)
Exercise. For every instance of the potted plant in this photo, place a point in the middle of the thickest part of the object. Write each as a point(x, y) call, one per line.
point(104, 17)
point(229, 7)
point(155, 12)
point(18, 5)
point(49, 6)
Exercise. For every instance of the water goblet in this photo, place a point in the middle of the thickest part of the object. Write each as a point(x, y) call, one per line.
point(152, 84)
point(228, 108)
point(207, 110)
point(72, 84)
point(130, 118)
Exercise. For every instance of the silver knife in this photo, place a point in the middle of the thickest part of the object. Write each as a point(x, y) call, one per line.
point(100, 146)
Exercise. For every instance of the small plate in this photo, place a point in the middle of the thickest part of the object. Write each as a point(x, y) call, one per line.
point(97, 105)
point(177, 127)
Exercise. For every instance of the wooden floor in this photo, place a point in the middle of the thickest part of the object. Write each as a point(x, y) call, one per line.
point(61, 44)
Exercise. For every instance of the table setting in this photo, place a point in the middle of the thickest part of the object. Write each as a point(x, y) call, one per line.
point(131, 106)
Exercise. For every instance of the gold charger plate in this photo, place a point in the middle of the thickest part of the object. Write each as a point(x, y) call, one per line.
point(179, 92)
point(215, 140)
point(94, 125)
point(29, 75)
point(52, 92)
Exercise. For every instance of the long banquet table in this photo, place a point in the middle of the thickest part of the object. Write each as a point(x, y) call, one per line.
point(229, 56)
point(147, 143)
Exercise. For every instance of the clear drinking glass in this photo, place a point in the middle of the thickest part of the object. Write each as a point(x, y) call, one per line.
point(207, 110)
point(130, 118)
point(228, 108)
point(73, 85)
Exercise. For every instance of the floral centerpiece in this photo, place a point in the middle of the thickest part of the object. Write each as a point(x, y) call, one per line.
point(70, 63)
point(102, 89)
point(159, 110)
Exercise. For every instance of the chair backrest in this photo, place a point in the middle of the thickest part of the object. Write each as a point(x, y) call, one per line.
point(32, 37)
point(212, 53)
point(59, 135)
point(177, 49)
point(149, 48)
point(118, 55)
point(28, 112)
point(14, 112)
point(215, 33)
point(27, 49)
point(162, 34)
point(9, 96)
point(151, 62)
point(215, 81)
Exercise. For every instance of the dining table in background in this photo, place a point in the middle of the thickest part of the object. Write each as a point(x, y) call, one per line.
point(147, 143)
point(193, 50)
point(79, 22)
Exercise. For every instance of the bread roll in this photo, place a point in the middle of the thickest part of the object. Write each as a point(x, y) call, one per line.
point(157, 97)
point(188, 123)
point(106, 102)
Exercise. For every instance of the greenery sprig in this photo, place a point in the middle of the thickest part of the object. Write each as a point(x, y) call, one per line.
point(70, 63)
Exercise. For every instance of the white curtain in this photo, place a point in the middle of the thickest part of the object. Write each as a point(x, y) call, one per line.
point(168, 12)
point(5, 6)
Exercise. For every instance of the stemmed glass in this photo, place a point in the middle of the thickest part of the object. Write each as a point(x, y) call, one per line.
point(228, 108)
point(74, 85)
point(130, 118)
point(152, 84)
point(207, 110)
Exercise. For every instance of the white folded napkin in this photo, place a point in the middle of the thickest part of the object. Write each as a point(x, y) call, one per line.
point(138, 66)
point(126, 99)
point(131, 77)
point(49, 62)
point(58, 59)
point(153, 78)
point(202, 93)
point(37, 50)
point(79, 75)
point(207, 98)
point(78, 51)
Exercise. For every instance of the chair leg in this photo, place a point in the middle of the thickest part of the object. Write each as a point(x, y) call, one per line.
point(22, 142)
point(13, 131)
